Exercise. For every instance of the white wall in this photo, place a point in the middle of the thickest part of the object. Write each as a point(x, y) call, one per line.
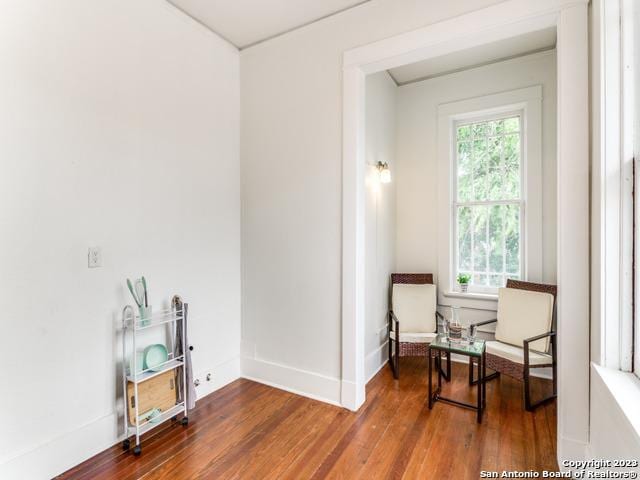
point(119, 127)
point(380, 211)
point(291, 143)
point(417, 161)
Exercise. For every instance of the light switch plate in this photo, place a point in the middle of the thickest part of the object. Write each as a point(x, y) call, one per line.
point(95, 257)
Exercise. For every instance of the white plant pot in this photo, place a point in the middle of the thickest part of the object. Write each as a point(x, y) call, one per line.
point(464, 287)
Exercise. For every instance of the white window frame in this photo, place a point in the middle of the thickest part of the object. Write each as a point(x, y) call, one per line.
point(528, 102)
point(613, 312)
point(630, 31)
point(485, 117)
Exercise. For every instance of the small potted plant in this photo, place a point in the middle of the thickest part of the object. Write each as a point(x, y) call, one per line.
point(463, 281)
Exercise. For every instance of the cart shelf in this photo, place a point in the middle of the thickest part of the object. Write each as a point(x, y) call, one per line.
point(147, 425)
point(160, 318)
point(148, 374)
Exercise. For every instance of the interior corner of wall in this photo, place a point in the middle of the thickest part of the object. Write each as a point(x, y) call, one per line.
point(570, 450)
point(247, 349)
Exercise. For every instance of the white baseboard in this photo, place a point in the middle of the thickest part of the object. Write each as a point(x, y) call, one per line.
point(375, 360)
point(221, 375)
point(569, 449)
point(351, 396)
point(74, 447)
point(64, 452)
point(295, 380)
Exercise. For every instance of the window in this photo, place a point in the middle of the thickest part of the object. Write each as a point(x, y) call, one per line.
point(488, 208)
point(630, 27)
point(617, 212)
point(490, 191)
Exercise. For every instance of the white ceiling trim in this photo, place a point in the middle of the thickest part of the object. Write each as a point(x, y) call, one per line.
point(266, 38)
point(302, 25)
point(477, 56)
point(202, 24)
point(469, 67)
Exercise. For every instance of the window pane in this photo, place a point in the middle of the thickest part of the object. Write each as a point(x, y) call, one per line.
point(496, 238)
point(464, 132)
point(496, 127)
point(464, 238)
point(489, 161)
point(479, 168)
point(464, 172)
point(511, 146)
point(496, 172)
point(512, 239)
point(479, 232)
point(512, 124)
point(488, 243)
point(497, 281)
point(479, 129)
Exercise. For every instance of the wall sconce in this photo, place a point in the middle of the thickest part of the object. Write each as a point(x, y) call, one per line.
point(385, 173)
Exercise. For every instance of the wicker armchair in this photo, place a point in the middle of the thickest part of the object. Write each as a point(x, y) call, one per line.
point(525, 337)
point(413, 318)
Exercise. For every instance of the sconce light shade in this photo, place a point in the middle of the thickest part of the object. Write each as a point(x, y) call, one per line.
point(385, 173)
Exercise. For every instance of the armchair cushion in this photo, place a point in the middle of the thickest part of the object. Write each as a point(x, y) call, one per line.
point(515, 354)
point(415, 307)
point(523, 314)
point(414, 337)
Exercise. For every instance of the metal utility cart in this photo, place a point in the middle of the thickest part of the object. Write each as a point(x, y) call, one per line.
point(133, 379)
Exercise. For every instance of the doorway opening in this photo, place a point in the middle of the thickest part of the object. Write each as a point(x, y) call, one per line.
point(463, 37)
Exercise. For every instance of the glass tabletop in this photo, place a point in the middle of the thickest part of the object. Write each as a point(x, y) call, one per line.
point(464, 346)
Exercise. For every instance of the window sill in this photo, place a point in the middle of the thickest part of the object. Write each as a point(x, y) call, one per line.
point(624, 387)
point(490, 297)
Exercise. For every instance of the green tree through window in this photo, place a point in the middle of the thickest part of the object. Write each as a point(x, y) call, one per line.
point(488, 204)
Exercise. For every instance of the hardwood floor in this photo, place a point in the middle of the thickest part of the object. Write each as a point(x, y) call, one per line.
point(251, 431)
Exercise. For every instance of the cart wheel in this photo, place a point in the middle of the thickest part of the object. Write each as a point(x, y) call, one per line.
point(137, 450)
point(185, 421)
point(126, 444)
point(174, 418)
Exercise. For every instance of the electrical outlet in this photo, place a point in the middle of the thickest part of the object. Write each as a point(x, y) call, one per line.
point(95, 257)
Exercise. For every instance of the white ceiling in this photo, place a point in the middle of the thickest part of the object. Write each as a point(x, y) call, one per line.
point(246, 22)
point(481, 55)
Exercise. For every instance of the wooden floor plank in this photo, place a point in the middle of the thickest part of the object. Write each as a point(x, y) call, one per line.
point(251, 431)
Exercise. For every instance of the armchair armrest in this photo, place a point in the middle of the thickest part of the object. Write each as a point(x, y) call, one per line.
point(485, 322)
point(393, 319)
point(526, 341)
point(439, 315)
point(539, 337)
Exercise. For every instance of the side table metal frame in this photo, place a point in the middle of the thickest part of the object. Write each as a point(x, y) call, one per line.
point(435, 354)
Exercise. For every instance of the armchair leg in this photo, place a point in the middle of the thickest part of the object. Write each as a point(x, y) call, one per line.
point(397, 370)
point(390, 350)
point(396, 366)
point(394, 360)
point(527, 391)
point(528, 405)
point(554, 367)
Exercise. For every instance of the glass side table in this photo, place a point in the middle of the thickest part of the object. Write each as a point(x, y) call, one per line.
point(442, 344)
